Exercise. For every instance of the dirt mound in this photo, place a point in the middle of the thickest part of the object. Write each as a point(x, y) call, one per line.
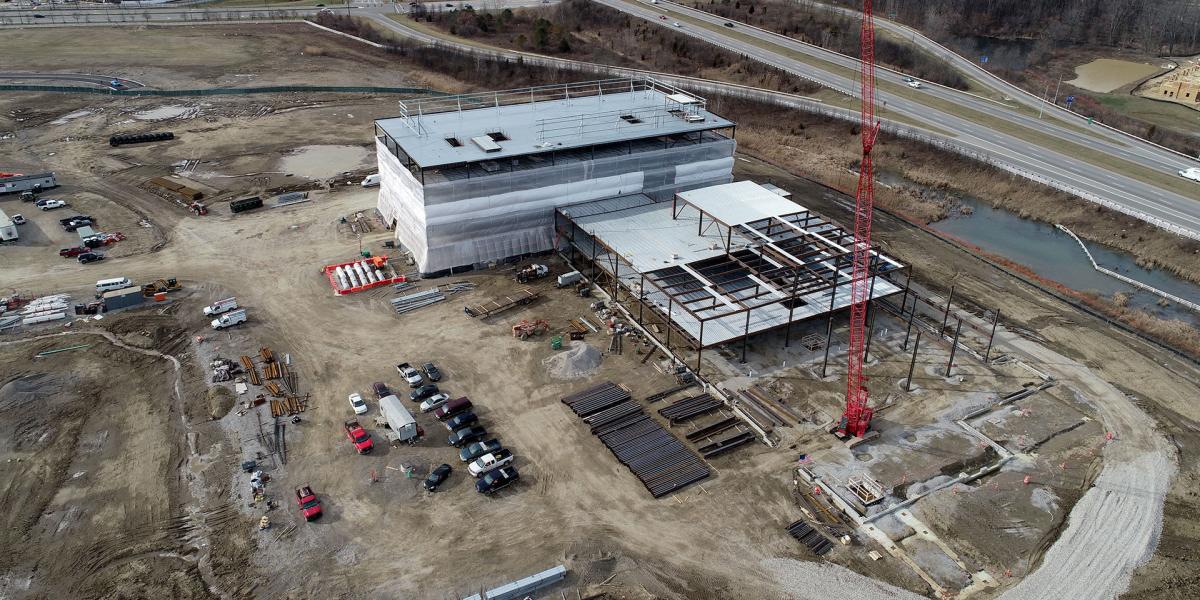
point(578, 360)
point(220, 400)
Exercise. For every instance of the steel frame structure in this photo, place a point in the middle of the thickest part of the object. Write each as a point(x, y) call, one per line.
point(791, 257)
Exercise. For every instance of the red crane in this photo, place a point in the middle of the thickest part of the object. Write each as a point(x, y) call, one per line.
point(857, 416)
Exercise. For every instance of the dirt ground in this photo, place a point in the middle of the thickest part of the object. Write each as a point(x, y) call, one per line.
point(181, 526)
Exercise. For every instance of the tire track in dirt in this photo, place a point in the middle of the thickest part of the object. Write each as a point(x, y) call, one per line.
point(193, 528)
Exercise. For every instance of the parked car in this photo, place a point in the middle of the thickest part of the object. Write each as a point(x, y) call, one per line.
point(358, 436)
point(478, 449)
point(73, 224)
point(461, 420)
point(423, 392)
point(18, 219)
point(309, 505)
point(51, 204)
point(72, 252)
point(410, 374)
point(466, 435)
point(432, 373)
point(381, 390)
point(489, 461)
point(435, 401)
point(90, 257)
point(496, 480)
point(437, 477)
point(452, 408)
point(358, 404)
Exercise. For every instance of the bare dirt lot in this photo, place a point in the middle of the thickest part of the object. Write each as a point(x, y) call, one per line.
point(161, 503)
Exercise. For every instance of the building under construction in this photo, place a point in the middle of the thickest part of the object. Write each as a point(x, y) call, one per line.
point(717, 264)
point(470, 179)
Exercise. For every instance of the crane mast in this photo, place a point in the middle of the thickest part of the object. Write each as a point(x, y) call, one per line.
point(857, 417)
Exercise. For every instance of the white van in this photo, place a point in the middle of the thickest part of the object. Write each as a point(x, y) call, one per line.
point(116, 283)
point(371, 180)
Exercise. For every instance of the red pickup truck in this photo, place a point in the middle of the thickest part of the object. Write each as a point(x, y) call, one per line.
point(358, 436)
point(310, 507)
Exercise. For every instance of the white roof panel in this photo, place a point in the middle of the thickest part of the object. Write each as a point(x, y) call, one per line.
point(739, 202)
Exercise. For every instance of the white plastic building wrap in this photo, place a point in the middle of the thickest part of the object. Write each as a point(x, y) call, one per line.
point(468, 216)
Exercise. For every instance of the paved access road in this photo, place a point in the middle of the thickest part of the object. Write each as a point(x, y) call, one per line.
point(1069, 167)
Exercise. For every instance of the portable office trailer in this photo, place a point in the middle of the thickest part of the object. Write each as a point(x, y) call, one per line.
point(22, 183)
point(403, 424)
point(123, 298)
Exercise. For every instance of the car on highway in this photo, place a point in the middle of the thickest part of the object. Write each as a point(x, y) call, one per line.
point(435, 401)
point(72, 252)
point(437, 477)
point(423, 392)
point(381, 390)
point(50, 204)
point(729, 24)
point(461, 420)
point(662, 17)
point(466, 435)
point(489, 461)
point(677, 24)
point(39, 16)
point(478, 449)
point(432, 373)
point(496, 480)
point(1192, 173)
point(89, 257)
point(358, 404)
point(914, 84)
point(309, 505)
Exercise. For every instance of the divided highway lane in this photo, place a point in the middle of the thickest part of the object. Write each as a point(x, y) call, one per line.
point(1134, 195)
point(1097, 138)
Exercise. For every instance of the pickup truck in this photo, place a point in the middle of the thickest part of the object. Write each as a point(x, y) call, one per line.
point(358, 436)
point(221, 306)
point(410, 374)
point(309, 505)
point(50, 204)
point(229, 319)
point(496, 480)
point(493, 460)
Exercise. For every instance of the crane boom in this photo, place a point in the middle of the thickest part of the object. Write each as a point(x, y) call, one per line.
point(857, 416)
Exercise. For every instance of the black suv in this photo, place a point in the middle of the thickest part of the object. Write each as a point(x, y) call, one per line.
point(432, 373)
point(90, 257)
point(423, 392)
point(496, 480)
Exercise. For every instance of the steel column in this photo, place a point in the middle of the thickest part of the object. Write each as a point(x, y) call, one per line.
point(746, 337)
point(912, 363)
point(946, 316)
point(991, 338)
point(911, 316)
point(953, 348)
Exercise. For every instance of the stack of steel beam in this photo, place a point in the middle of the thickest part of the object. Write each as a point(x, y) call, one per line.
point(596, 399)
point(417, 300)
point(657, 458)
point(818, 543)
point(690, 408)
point(722, 446)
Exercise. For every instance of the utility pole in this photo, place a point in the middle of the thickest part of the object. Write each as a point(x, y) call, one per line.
point(1056, 88)
point(1045, 99)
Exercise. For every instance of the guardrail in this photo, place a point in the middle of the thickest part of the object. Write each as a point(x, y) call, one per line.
point(277, 89)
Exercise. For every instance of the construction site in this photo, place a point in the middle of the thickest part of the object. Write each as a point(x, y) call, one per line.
point(712, 378)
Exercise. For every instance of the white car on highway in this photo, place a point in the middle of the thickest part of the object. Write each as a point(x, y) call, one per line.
point(1192, 173)
point(357, 402)
point(914, 84)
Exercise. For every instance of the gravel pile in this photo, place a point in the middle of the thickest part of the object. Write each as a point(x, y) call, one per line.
point(577, 360)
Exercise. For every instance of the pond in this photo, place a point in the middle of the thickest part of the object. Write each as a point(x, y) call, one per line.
point(1054, 255)
point(1105, 74)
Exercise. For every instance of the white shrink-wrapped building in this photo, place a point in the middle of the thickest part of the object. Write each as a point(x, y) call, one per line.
point(470, 179)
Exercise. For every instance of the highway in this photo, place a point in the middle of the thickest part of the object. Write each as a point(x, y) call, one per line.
point(1057, 156)
point(1070, 165)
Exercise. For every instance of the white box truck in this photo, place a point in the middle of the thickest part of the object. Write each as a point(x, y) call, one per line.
point(221, 306)
point(403, 425)
point(229, 319)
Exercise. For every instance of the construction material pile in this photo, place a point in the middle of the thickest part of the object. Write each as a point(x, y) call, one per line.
point(690, 408)
point(657, 458)
point(578, 360)
point(810, 537)
point(362, 274)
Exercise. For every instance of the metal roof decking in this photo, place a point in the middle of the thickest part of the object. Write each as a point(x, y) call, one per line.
point(452, 130)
